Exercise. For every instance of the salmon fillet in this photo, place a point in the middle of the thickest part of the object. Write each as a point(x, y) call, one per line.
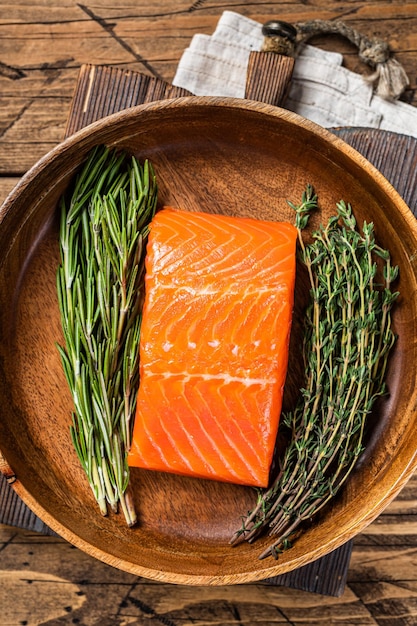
point(214, 345)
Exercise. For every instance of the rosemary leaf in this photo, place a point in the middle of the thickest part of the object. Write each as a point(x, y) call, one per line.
point(103, 230)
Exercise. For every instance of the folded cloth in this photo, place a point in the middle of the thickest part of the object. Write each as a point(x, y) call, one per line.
point(321, 89)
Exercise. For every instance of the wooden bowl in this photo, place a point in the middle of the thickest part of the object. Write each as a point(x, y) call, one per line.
point(217, 155)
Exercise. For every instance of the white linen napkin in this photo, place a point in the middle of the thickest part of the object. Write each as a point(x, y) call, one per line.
point(321, 89)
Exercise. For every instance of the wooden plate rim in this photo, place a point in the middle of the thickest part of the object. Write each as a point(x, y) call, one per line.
point(90, 132)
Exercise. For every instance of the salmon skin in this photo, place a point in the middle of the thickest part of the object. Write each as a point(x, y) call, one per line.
point(214, 345)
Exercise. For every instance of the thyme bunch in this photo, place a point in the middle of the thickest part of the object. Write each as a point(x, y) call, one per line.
point(347, 341)
point(103, 230)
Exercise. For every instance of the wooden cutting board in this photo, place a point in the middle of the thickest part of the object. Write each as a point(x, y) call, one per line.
point(102, 90)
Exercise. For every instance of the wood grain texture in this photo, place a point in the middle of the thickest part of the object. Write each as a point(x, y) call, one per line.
point(100, 91)
point(127, 89)
point(44, 45)
point(124, 89)
point(42, 49)
point(268, 77)
point(76, 588)
point(192, 139)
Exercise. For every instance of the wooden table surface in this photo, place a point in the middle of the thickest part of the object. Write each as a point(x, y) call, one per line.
point(44, 580)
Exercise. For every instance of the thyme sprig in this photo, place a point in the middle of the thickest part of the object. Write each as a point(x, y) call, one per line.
point(347, 341)
point(103, 230)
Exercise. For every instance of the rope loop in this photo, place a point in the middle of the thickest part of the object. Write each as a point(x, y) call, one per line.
point(389, 77)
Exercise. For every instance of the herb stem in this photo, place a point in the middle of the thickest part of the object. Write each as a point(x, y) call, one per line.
point(346, 345)
point(103, 230)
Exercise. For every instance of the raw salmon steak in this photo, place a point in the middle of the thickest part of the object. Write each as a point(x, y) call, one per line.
point(214, 345)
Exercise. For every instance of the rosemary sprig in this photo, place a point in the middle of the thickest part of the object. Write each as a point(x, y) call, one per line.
point(104, 225)
point(347, 341)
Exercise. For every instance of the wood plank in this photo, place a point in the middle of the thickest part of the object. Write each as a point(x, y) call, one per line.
point(40, 63)
point(383, 563)
point(391, 530)
point(390, 604)
point(248, 605)
point(374, 592)
point(50, 567)
point(35, 566)
point(43, 47)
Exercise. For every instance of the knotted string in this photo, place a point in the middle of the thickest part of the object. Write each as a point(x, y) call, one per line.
point(389, 78)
